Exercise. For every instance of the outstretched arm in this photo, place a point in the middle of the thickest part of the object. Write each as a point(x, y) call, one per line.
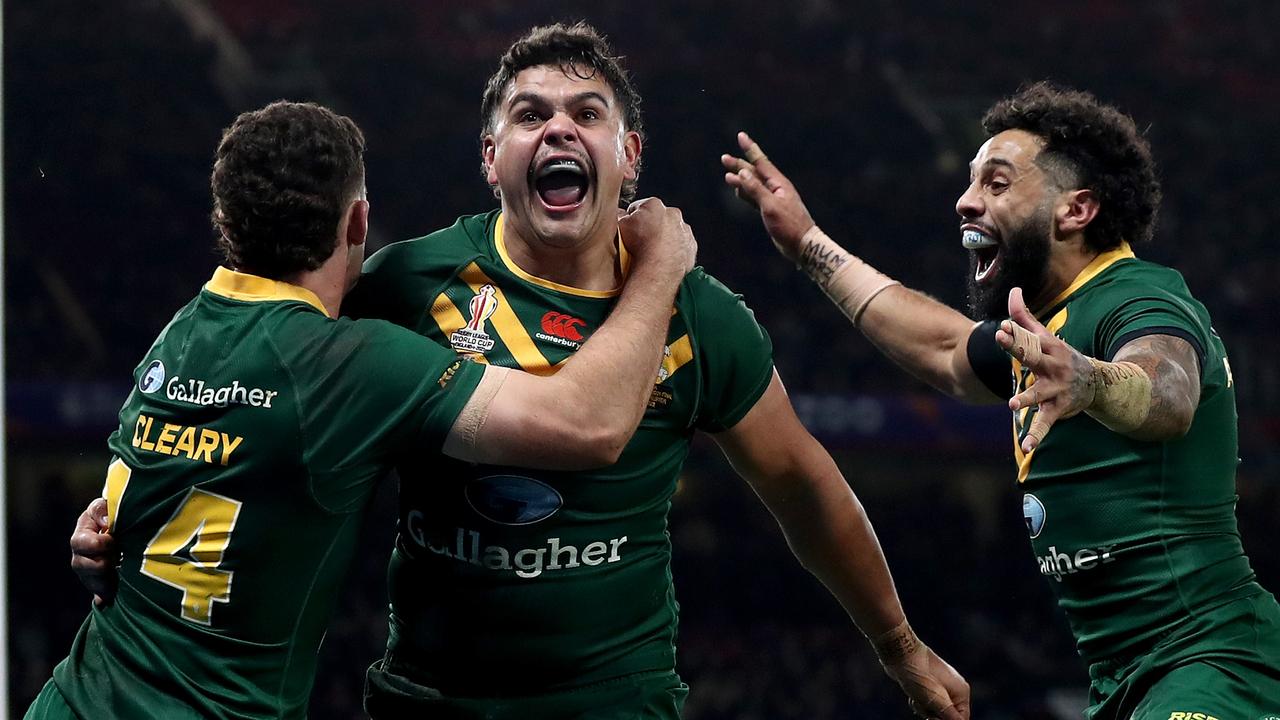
point(830, 535)
point(585, 414)
point(922, 335)
point(1150, 391)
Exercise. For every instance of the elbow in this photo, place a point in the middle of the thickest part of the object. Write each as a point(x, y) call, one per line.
point(586, 447)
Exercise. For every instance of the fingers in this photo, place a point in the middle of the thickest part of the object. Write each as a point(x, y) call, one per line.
point(98, 511)
point(90, 538)
point(948, 713)
point(1040, 425)
point(768, 172)
point(1021, 343)
point(747, 184)
point(1022, 315)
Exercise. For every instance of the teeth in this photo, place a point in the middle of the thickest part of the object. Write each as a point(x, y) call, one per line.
point(563, 165)
point(974, 239)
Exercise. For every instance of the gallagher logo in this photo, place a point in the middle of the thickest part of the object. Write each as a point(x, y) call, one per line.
point(153, 378)
point(562, 329)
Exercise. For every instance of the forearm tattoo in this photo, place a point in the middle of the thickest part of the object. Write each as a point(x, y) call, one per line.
point(820, 260)
point(896, 645)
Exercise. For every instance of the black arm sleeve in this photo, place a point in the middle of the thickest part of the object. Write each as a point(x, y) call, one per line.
point(989, 361)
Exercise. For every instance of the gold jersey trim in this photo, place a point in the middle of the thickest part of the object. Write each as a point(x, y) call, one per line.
point(1023, 417)
point(624, 261)
point(504, 321)
point(254, 288)
point(1090, 271)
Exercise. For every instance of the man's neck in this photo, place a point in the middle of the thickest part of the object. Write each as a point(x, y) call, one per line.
point(328, 282)
point(1065, 265)
point(592, 264)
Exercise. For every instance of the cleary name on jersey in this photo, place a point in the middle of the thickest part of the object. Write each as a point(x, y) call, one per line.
point(1134, 536)
point(511, 581)
point(250, 444)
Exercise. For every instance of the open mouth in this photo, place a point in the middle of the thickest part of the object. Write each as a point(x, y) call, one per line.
point(561, 183)
point(985, 247)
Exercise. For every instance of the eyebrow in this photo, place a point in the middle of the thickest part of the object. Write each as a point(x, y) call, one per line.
point(993, 161)
point(536, 98)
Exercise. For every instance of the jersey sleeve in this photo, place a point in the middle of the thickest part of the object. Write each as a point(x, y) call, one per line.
point(387, 289)
point(734, 350)
point(372, 392)
point(1149, 311)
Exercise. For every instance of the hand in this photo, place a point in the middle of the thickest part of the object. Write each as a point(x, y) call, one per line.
point(758, 181)
point(655, 233)
point(934, 688)
point(93, 553)
point(1064, 383)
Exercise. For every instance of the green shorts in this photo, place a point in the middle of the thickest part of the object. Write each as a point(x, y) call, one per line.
point(1223, 664)
point(656, 695)
point(49, 705)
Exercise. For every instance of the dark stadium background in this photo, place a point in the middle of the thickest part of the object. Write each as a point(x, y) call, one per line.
point(113, 111)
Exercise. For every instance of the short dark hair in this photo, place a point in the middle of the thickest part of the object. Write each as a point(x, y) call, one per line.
point(1099, 146)
point(570, 48)
point(282, 177)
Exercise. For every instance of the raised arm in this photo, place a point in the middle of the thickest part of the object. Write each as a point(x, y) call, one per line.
point(585, 414)
point(830, 535)
point(923, 336)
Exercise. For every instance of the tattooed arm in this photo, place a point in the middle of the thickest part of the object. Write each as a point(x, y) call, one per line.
point(925, 337)
point(1149, 391)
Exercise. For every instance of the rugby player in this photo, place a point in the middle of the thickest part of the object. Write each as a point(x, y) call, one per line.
point(1122, 397)
point(518, 594)
point(260, 422)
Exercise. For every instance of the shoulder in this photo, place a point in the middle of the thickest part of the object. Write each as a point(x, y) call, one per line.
point(448, 246)
point(709, 296)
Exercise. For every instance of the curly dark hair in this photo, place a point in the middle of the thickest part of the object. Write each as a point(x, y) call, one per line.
point(282, 178)
point(1088, 145)
point(575, 49)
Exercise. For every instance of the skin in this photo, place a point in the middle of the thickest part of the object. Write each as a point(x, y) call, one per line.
point(547, 114)
point(929, 339)
point(544, 114)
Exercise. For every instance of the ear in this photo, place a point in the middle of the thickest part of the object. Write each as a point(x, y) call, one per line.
point(358, 222)
point(1077, 209)
point(631, 147)
point(489, 151)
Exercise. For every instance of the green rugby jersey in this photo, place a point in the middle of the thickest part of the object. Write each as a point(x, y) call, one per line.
point(1134, 536)
point(510, 581)
point(253, 438)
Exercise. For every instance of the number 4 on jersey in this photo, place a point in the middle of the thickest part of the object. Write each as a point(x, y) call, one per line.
point(205, 517)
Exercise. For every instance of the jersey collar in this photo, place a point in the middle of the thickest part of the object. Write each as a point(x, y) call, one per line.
point(254, 288)
point(1090, 271)
point(624, 261)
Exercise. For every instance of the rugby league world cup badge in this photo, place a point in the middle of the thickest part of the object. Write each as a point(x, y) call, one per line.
point(473, 338)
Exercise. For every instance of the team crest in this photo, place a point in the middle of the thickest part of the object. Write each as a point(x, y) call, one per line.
point(1033, 514)
point(473, 338)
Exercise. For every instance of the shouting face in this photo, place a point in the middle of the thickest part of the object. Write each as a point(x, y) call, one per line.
point(1007, 222)
point(559, 153)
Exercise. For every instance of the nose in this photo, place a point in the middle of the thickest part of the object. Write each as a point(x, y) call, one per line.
point(970, 204)
point(559, 129)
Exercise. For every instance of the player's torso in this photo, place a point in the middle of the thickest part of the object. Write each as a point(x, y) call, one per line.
point(228, 564)
point(539, 578)
point(1133, 534)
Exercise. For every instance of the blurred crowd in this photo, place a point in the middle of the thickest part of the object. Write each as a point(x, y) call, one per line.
point(113, 111)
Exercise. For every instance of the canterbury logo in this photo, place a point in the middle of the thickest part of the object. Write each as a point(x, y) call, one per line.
point(562, 326)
